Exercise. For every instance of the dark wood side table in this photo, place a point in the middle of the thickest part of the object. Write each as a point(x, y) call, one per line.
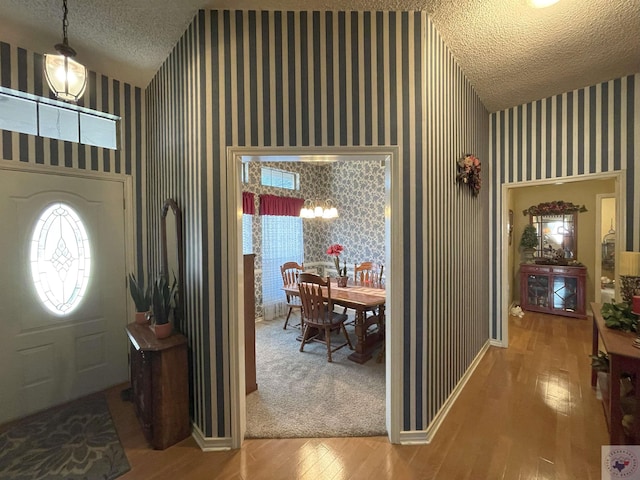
point(160, 386)
point(623, 357)
point(249, 324)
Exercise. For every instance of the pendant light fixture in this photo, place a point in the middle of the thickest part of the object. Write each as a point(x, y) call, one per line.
point(66, 77)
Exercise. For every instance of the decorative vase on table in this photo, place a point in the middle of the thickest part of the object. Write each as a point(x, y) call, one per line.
point(342, 281)
point(163, 330)
point(142, 318)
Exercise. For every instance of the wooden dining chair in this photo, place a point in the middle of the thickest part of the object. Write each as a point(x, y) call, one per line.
point(364, 274)
point(290, 272)
point(317, 312)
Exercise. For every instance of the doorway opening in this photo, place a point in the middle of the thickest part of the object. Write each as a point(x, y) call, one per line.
point(606, 244)
point(558, 188)
point(389, 158)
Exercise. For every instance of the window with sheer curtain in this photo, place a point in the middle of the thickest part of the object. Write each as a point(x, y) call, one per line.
point(247, 234)
point(281, 242)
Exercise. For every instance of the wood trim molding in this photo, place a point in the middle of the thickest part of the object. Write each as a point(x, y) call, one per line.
point(210, 444)
point(393, 246)
point(418, 437)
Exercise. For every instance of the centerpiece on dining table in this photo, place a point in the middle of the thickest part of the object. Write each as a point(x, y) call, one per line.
point(336, 249)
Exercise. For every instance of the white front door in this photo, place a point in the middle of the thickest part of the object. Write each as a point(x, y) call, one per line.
point(62, 289)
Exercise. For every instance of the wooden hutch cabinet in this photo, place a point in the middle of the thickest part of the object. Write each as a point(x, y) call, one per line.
point(160, 385)
point(554, 289)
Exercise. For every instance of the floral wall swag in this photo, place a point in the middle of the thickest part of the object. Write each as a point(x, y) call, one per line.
point(469, 173)
point(554, 208)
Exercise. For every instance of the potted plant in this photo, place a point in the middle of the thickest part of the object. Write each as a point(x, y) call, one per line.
point(529, 242)
point(141, 296)
point(162, 304)
point(335, 250)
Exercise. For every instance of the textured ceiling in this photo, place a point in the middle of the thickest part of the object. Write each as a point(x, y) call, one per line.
point(511, 52)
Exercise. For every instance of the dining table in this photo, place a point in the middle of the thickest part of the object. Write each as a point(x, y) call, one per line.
point(368, 301)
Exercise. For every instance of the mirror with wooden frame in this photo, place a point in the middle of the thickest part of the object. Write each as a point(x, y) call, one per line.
point(556, 225)
point(557, 235)
point(172, 252)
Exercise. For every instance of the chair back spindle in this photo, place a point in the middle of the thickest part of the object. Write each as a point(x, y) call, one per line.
point(290, 272)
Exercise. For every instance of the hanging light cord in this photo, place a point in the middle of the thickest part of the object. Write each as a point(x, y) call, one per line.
point(64, 47)
point(65, 22)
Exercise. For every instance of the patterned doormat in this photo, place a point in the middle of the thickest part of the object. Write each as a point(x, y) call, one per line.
point(77, 441)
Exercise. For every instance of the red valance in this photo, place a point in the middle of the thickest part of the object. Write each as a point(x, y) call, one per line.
point(248, 205)
point(282, 206)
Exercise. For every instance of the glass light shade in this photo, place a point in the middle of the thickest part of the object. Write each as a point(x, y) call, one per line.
point(333, 212)
point(318, 211)
point(67, 78)
point(306, 213)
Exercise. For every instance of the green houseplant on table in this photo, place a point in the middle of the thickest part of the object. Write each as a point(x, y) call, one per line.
point(141, 295)
point(162, 305)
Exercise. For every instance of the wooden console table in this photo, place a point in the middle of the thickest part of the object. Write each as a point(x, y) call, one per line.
point(623, 357)
point(160, 385)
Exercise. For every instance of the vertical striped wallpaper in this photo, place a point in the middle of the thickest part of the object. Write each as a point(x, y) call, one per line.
point(21, 70)
point(590, 130)
point(247, 78)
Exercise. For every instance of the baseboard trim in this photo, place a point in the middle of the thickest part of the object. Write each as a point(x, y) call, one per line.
point(496, 343)
point(422, 437)
point(414, 437)
point(210, 444)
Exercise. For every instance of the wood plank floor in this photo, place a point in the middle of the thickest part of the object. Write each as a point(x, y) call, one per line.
point(528, 412)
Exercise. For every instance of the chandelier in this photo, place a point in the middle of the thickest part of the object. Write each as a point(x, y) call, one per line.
point(318, 209)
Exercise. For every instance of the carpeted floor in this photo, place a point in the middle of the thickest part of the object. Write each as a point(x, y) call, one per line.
point(77, 441)
point(300, 394)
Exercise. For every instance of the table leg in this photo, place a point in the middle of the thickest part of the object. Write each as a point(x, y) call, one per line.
point(360, 355)
point(615, 412)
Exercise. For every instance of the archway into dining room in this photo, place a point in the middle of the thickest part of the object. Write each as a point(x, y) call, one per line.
point(277, 348)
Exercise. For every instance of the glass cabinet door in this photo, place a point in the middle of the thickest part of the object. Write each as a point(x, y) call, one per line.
point(538, 290)
point(565, 293)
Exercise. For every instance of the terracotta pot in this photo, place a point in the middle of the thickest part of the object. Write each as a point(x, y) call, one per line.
point(142, 317)
point(163, 331)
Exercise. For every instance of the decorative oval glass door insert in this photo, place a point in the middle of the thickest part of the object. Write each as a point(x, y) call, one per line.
point(60, 258)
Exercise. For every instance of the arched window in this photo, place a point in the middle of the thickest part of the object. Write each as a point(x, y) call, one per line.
point(60, 258)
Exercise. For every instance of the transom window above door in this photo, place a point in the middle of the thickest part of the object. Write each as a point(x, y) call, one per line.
point(274, 177)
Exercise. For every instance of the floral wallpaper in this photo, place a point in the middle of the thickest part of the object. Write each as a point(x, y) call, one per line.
point(356, 189)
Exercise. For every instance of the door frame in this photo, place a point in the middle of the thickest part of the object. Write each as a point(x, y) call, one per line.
point(393, 249)
point(598, 243)
point(620, 193)
point(127, 189)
